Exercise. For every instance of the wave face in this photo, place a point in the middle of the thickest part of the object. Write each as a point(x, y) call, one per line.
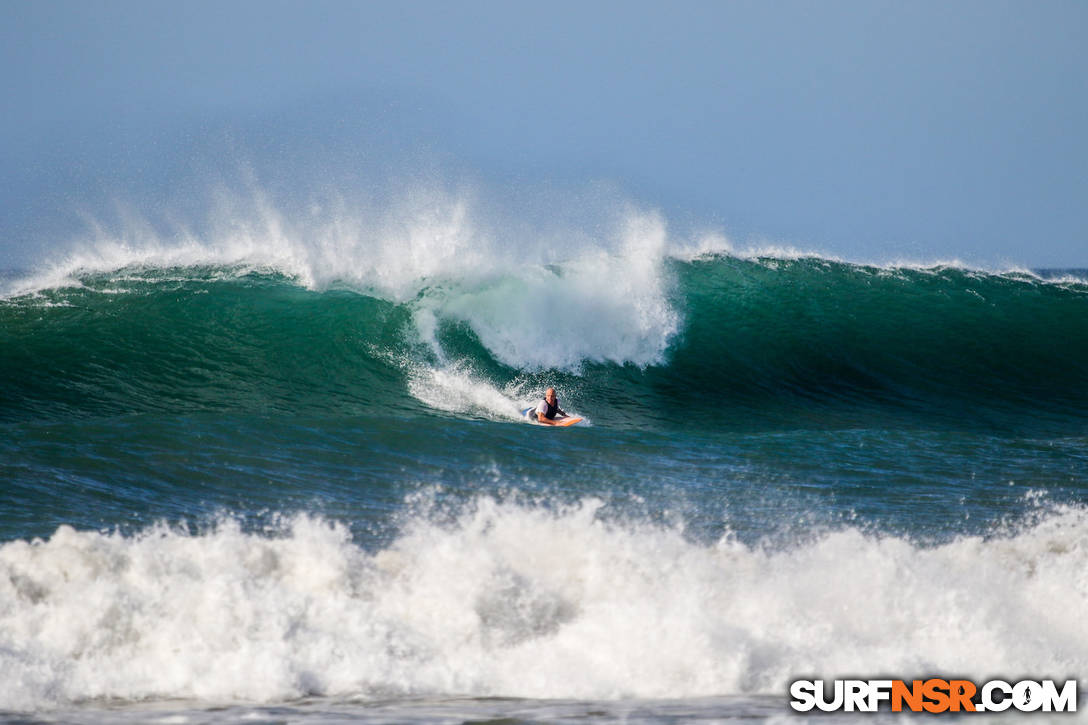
point(814, 337)
point(634, 336)
point(508, 598)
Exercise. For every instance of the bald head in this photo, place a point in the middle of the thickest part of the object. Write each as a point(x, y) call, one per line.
point(549, 395)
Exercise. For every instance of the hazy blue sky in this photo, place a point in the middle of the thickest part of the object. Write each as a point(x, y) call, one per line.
point(872, 130)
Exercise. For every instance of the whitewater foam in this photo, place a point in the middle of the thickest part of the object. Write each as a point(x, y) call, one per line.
point(456, 390)
point(598, 306)
point(523, 599)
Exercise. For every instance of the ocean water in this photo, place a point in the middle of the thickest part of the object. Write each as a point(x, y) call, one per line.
point(274, 477)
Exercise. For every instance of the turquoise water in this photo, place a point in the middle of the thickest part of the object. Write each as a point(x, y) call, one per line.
point(226, 481)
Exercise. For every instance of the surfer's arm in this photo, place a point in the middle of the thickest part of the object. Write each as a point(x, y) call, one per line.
point(544, 419)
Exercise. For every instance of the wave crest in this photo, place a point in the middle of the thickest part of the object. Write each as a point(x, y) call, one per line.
point(639, 326)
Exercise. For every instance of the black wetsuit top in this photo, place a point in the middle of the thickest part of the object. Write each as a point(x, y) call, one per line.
point(552, 409)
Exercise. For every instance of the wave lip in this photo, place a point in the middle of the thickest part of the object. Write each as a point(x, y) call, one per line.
point(520, 600)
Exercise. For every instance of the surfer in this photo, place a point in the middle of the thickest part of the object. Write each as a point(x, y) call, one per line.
point(547, 410)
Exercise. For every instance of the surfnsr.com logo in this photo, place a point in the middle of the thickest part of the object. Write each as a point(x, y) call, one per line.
point(933, 695)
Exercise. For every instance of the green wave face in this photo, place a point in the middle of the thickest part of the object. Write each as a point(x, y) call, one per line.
point(259, 344)
point(818, 340)
point(736, 343)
